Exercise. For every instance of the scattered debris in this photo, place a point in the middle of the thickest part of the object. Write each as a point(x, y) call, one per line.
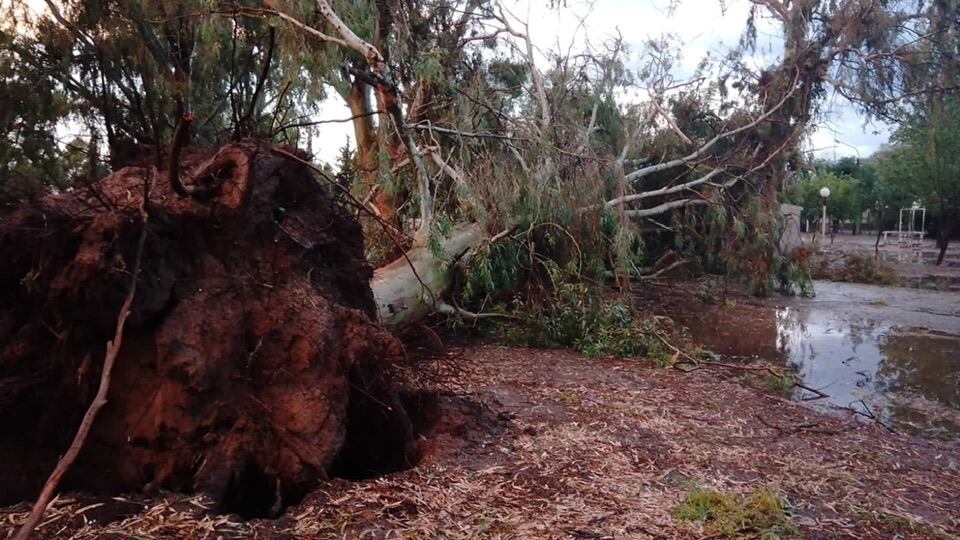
point(550, 444)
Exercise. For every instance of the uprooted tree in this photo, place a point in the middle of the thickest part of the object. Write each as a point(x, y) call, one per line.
point(251, 356)
point(253, 341)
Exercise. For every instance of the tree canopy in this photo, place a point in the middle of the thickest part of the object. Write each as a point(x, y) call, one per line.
point(460, 119)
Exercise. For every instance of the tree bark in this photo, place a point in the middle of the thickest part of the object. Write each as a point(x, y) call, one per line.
point(366, 137)
point(412, 287)
point(943, 240)
point(876, 245)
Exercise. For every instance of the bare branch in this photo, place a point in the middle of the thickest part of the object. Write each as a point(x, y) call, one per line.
point(307, 29)
point(665, 190)
point(535, 74)
point(448, 131)
point(664, 208)
point(700, 152)
point(454, 174)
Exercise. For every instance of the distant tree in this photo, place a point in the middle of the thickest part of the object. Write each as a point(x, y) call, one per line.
point(859, 190)
point(926, 163)
point(31, 106)
point(844, 203)
point(346, 166)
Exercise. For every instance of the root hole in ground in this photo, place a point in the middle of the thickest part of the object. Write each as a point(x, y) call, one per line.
point(381, 438)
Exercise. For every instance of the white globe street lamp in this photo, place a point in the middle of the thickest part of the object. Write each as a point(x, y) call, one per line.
point(824, 194)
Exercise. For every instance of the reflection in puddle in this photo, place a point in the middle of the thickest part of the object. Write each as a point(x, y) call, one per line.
point(894, 352)
point(911, 377)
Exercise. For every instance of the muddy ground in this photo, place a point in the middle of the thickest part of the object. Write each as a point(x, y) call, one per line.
point(888, 351)
point(548, 444)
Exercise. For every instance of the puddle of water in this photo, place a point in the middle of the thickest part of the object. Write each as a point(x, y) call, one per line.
point(889, 351)
point(911, 378)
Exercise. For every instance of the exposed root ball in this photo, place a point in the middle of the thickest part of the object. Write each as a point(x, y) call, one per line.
point(250, 336)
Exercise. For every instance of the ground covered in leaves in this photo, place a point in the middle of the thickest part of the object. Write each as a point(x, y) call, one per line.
point(547, 444)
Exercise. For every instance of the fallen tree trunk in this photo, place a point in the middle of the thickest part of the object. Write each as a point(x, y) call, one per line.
point(412, 287)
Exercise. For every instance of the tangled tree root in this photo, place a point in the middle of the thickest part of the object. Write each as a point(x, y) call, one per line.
point(250, 347)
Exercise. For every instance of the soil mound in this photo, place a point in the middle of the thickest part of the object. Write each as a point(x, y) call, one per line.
point(251, 365)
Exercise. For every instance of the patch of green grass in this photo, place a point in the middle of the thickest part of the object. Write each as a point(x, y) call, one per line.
point(763, 512)
point(782, 385)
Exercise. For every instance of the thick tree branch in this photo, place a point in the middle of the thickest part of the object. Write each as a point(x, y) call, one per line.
point(389, 94)
point(664, 208)
point(316, 34)
point(665, 190)
point(261, 80)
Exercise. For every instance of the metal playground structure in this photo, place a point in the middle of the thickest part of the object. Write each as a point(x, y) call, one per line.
point(909, 238)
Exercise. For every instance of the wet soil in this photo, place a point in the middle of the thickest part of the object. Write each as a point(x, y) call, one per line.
point(548, 444)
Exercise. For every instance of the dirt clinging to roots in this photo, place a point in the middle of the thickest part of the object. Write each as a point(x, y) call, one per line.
point(250, 350)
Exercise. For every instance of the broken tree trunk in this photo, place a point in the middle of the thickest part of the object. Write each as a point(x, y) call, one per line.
point(412, 287)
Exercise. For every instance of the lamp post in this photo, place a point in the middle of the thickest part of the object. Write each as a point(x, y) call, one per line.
point(824, 194)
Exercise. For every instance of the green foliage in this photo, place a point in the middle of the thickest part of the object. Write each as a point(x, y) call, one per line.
point(926, 161)
point(845, 201)
point(126, 71)
point(857, 188)
point(347, 173)
point(582, 317)
point(794, 272)
point(493, 268)
point(32, 104)
point(782, 384)
point(441, 230)
point(428, 66)
point(762, 513)
point(742, 243)
point(510, 75)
